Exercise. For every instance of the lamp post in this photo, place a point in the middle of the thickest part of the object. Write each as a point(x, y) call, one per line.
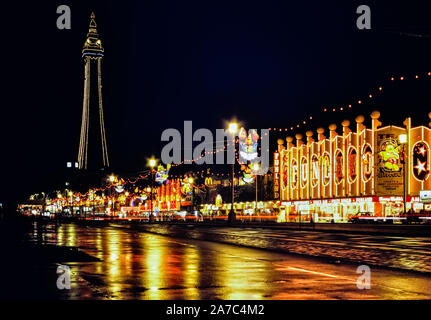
point(191, 181)
point(403, 141)
point(256, 168)
point(151, 163)
point(232, 129)
point(112, 179)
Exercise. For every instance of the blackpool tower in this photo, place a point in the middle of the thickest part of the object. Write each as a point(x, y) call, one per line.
point(92, 54)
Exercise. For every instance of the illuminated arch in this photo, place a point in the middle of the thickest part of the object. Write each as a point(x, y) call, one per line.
point(352, 158)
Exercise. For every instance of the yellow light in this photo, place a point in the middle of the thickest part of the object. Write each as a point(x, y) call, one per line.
point(127, 194)
point(148, 189)
point(70, 193)
point(190, 180)
point(402, 138)
point(112, 178)
point(233, 127)
point(256, 167)
point(152, 162)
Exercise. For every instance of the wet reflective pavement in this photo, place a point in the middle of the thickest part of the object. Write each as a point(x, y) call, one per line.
point(139, 265)
point(400, 252)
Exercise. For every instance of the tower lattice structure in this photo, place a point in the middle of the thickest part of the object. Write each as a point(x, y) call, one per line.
point(92, 54)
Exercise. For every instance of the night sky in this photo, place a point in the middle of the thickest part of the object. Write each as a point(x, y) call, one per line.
point(267, 63)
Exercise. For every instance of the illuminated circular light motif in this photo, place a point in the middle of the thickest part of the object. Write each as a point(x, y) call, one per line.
point(351, 165)
point(367, 154)
point(421, 161)
point(325, 163)
point(314, 171)
point(338, 169)
point(293, 174)
point(304, 172)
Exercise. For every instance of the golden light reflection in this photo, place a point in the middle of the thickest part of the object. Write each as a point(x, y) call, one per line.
point(191, 273)
point(153, 280)
point(114, 263)
point(71, 235)
point(60, 236)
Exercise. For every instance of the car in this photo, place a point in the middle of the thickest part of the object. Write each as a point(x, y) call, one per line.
point(362, 217)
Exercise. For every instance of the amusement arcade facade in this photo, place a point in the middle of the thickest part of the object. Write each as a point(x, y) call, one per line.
point(379, 170)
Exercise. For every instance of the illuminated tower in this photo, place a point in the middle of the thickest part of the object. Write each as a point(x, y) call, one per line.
point(92, 54)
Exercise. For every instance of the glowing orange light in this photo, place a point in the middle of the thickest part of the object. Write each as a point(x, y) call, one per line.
point(380, 88)
point(359, 101)
point(402, 78)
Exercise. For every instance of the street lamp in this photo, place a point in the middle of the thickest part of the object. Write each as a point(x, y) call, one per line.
point(190, 181)
point(403, 141)
point(232, 129)
point(152, 163)
point(256, 169)
point(112, 180)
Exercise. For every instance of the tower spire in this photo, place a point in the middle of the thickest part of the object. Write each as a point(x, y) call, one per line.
point(92, 45)
point(92, 52)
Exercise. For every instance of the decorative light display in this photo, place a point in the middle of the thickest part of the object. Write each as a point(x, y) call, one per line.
point(186, 187)
point(162, 173)
point(219, 200)
point(389, 156)
point(421, 161)
point(247, 173)
point(248, 144)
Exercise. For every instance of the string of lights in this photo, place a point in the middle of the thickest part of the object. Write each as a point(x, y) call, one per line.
point(373, 94)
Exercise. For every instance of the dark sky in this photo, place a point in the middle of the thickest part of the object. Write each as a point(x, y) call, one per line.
point(267, 63)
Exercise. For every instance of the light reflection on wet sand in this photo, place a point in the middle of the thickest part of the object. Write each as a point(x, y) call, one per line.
point(137, 265)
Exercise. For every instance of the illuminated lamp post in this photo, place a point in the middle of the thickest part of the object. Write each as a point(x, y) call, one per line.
point(256, 168)
point(403, 141)
point(112, 180)
point(190, 181)
point(152, 163)
point(232, 129)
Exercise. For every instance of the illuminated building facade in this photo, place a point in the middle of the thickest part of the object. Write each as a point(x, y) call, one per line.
point(378, 170)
